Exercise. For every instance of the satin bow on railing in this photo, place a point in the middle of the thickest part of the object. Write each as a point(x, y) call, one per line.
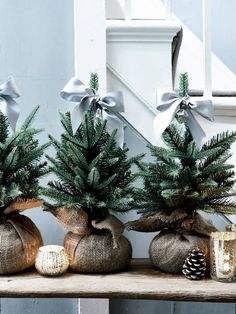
point(86, 98)
point(8, 106)
point(171, 105)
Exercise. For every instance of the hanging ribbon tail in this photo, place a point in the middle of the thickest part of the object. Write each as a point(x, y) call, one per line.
point(195, 129)
point(165, 116)
point(8, 106)
point(75, 90)
point(77, 114)
point(204, 108)
point(114, 123)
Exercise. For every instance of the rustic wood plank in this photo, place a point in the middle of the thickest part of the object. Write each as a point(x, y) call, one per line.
point(140, 281)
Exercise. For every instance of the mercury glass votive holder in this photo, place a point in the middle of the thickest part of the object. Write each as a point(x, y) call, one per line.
point(223, 256)
point(51, 260)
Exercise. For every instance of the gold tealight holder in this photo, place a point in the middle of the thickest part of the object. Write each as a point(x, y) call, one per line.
point(223, 256)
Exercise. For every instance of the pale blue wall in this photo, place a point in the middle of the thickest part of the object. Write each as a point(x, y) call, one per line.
point(36, 47)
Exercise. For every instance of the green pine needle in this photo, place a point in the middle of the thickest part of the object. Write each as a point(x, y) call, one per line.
point(183, 85)
point(20, 166)
point(92, 172)
point(94, 81)
point(184, 177)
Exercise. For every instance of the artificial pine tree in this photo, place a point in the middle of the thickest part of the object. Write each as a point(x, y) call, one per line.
point(20, 165)
point(20, 170)
point(184, 179)
point(93, 172)
point(93, 179)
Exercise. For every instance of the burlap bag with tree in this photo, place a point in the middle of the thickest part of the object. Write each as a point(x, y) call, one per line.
point(20, 169)
point(94, 179)
point(182, 181)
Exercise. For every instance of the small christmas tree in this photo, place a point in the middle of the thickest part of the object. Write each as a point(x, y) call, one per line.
point(93, 180)
point(20, 166)
point(184, 179)
point(94, 174)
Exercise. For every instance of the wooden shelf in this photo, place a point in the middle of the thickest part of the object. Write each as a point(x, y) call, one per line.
point(140, 281)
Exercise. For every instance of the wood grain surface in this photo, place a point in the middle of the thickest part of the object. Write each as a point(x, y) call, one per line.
point(140, 281)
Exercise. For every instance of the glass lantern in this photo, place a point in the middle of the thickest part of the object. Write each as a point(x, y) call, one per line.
point(223, 256)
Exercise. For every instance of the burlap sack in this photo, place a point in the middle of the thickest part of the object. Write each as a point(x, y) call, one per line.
point(95, 246)
point(95, 253)
point(169, 249)
point(19, 243)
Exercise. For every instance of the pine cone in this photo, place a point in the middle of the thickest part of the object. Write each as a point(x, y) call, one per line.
point(194, 267)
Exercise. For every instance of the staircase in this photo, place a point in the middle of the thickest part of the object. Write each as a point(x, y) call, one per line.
point(139, 61)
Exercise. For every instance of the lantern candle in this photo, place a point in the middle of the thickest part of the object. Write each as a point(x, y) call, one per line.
point(223, 256)
point(52, 260)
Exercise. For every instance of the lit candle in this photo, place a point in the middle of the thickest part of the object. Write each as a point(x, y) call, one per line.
point(226, 267)
point(223, 256)
point(207, 12)
point(226, 257)
point(51, 260)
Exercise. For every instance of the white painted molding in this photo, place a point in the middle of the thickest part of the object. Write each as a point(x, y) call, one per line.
point(142, 31)
point(224, 106)
point(131, 89)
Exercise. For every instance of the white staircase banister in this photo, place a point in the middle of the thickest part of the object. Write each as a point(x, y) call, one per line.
point(168, 5)
point(128, 9)
point(207, 12)
point(90, 40)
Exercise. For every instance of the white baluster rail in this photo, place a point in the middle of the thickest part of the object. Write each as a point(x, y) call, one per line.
point(206, 14)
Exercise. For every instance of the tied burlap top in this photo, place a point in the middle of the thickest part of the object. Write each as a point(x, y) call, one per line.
point(179, 221)
point(19, 238)
point(94, 246)
point(180, 234)
point(77, 222)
